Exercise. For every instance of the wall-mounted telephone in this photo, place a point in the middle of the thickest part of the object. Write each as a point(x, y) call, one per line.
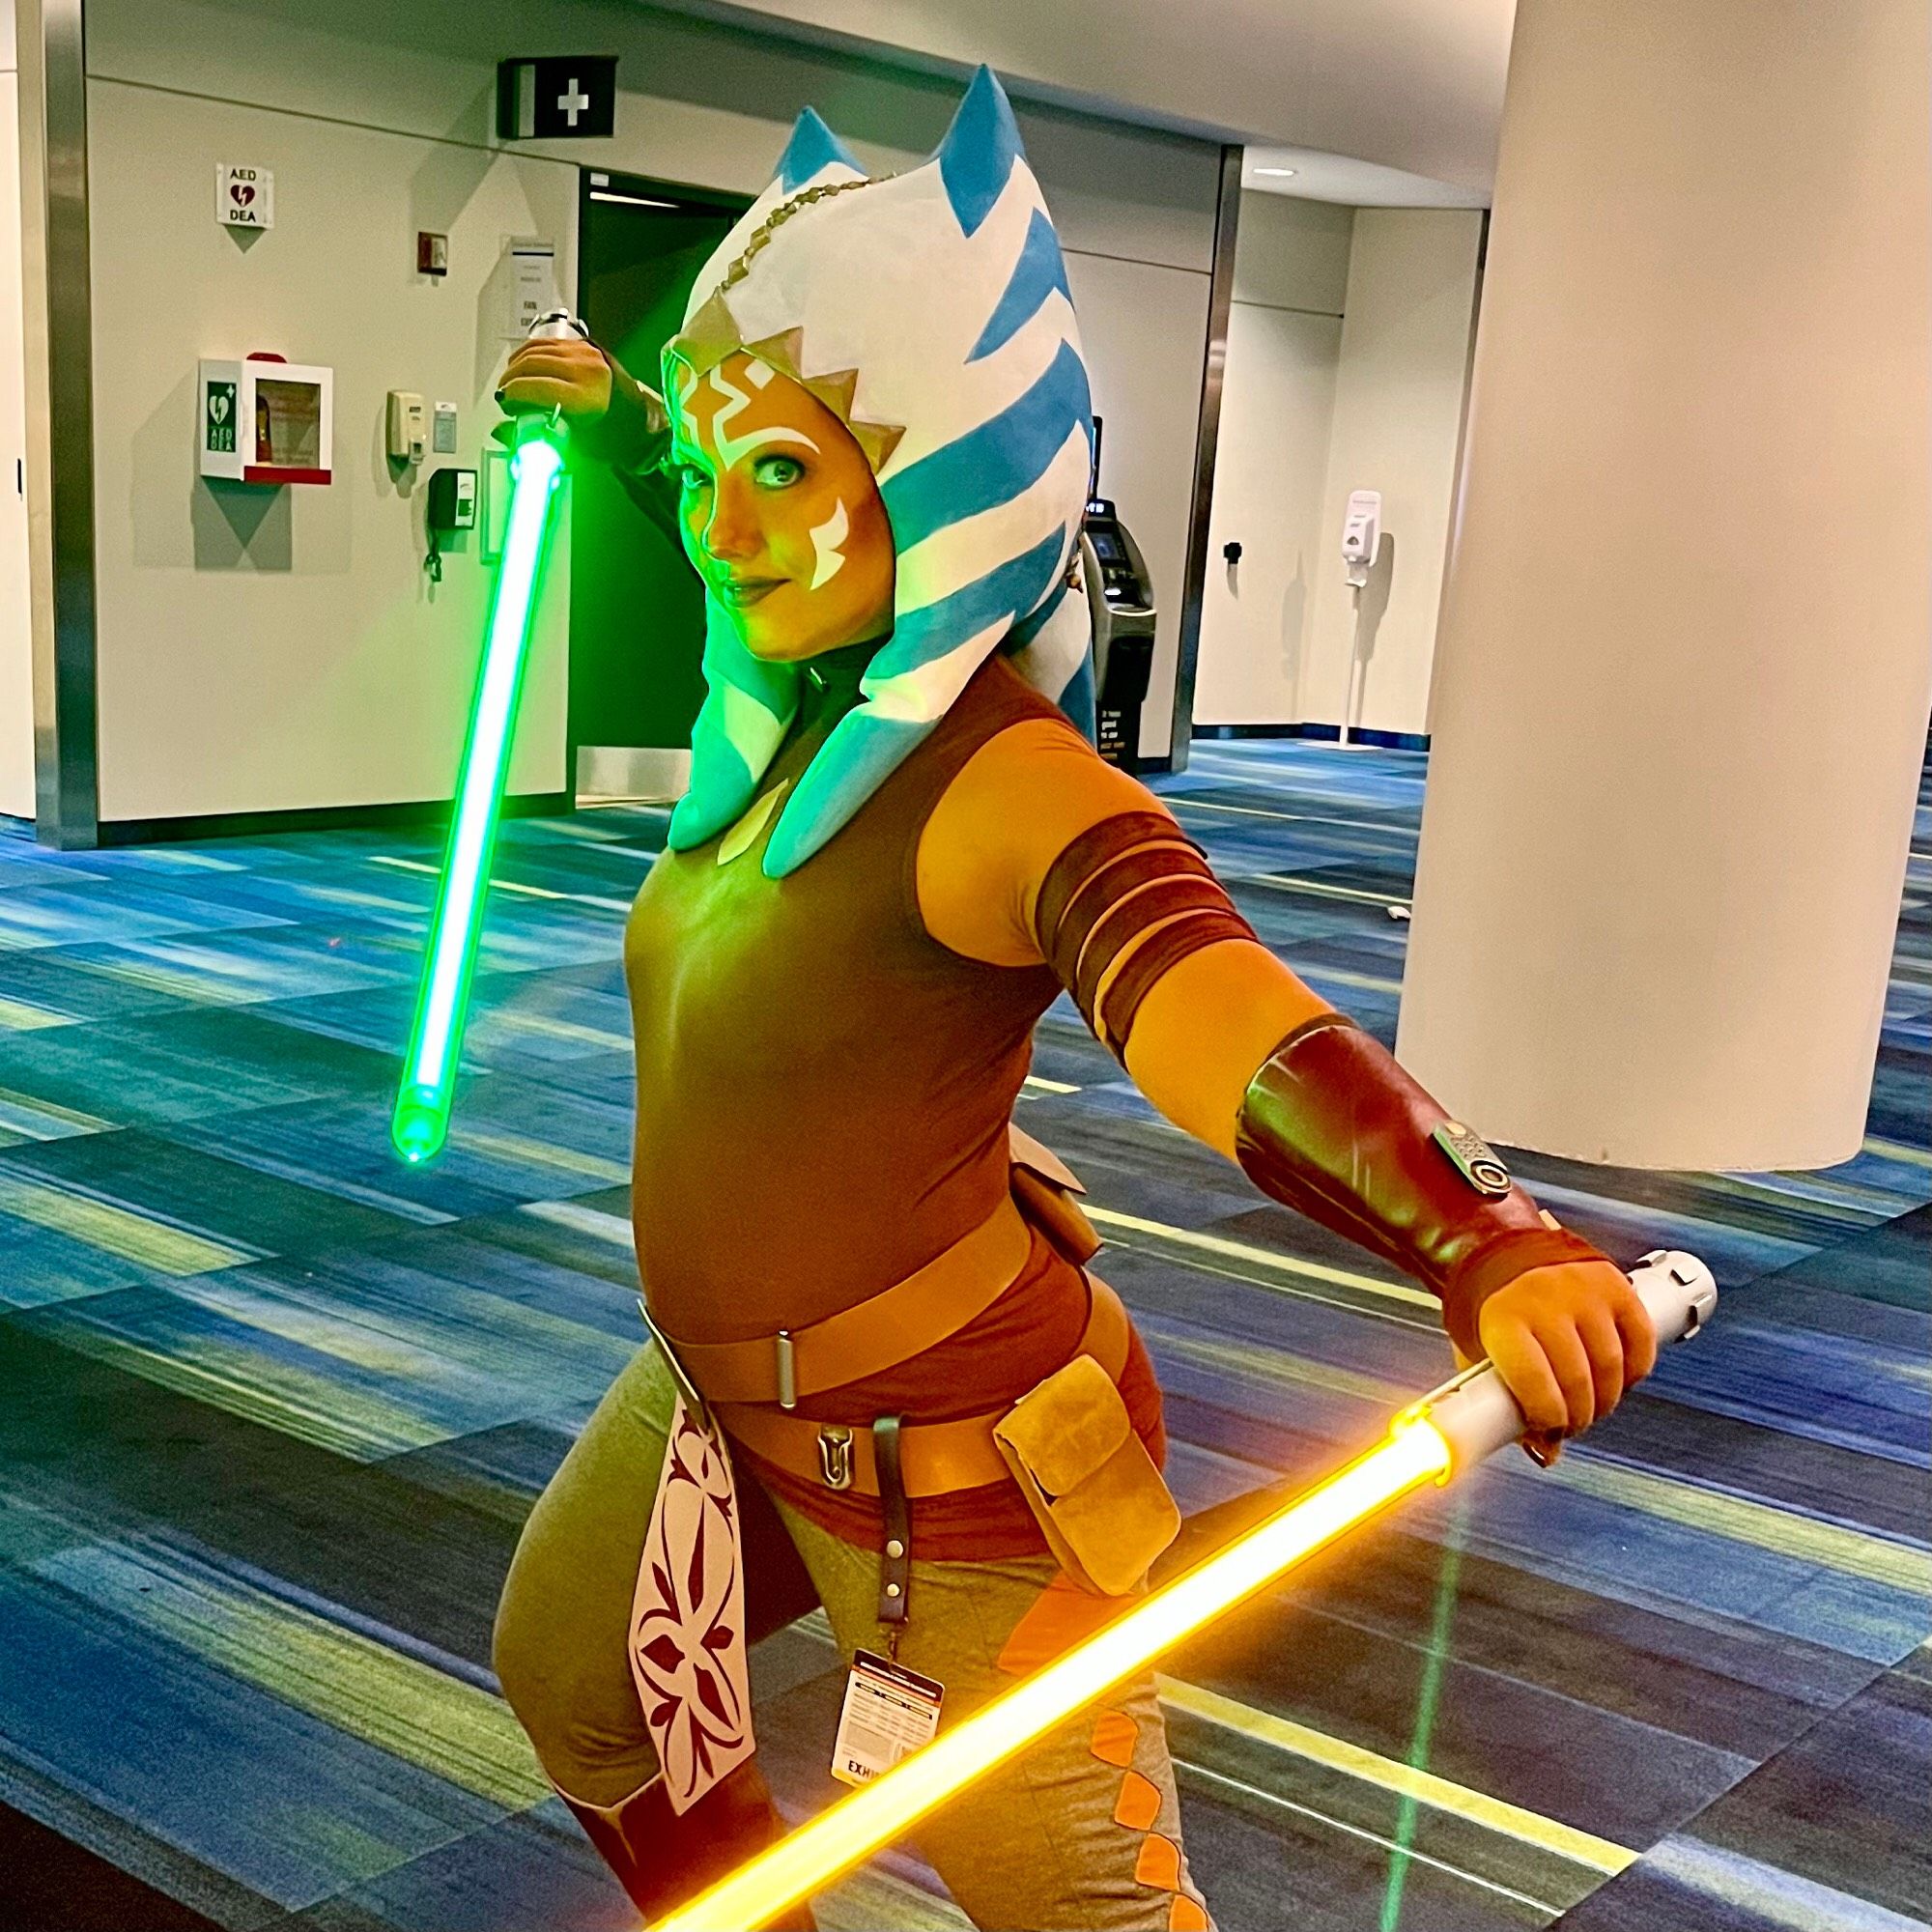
point(1361, 534)
point(451, 506)
point(409, 426)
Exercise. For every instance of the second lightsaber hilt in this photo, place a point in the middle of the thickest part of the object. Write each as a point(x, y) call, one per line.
point(1475, 1413)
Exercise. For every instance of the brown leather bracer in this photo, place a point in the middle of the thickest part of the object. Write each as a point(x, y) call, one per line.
point(1334, 1127)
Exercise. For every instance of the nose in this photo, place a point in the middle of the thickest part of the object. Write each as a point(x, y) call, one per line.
point(732, 534)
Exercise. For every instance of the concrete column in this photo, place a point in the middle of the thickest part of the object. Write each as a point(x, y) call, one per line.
point(1682, 676)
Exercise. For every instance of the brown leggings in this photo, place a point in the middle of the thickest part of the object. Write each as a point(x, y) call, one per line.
point(1082, 1831)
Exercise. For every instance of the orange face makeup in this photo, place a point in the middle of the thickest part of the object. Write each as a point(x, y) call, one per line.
point(780, 511)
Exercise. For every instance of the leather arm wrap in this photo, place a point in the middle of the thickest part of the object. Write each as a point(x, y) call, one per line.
point(1334, 1127)
point(633, 432)
point(1133, 890)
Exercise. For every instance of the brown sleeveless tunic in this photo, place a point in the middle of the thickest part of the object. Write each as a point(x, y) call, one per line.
point(823, 1095)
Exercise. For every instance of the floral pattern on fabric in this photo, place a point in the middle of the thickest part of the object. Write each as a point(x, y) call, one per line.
point(687, 1640)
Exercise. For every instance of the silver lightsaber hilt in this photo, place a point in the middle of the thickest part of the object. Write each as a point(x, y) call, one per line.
point(1477, 1415)
point(559, 325)
point(555, 325)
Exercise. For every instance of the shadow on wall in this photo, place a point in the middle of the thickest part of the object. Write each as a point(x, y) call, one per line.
point(1294, 633)
point(441, 191)
point(238, 523)
point(1372, 604)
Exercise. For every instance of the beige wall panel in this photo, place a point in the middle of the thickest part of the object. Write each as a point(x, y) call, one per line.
point(16, 653)
point(263, 649)
point(1143, 327)
point(1270, 469)
point(1292, 254)
point(1399, 398)
point(696, 103)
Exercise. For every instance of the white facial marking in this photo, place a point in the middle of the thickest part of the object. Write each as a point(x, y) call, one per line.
point(827, 544)
point(730, 448)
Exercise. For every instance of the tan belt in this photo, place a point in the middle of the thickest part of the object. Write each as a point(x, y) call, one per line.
point(903, 1320)
point(935, 1458)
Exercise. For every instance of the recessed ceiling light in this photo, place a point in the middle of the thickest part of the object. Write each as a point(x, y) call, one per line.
point(1282, 173)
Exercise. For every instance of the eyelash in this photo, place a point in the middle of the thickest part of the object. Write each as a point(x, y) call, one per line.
point(692, 479)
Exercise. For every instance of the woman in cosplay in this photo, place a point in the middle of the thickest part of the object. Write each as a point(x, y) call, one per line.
point(882, 1380)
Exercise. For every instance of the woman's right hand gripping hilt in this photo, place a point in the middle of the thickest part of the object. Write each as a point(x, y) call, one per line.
point(613, 416)
point(1334, 1127)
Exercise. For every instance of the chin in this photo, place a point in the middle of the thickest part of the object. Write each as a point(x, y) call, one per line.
point(785, 645)
point(780, 649)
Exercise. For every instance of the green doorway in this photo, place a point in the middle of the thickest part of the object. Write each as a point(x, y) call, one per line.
point(637, 612)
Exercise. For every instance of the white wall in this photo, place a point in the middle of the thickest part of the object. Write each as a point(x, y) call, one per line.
point(16, 663)
point(1399, 399)
point(1415, 85)
point(1272, 461)
point(270, 649)
point(1348, 366)
point(263, 653)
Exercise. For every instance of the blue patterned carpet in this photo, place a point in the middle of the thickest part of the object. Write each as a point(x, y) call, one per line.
point(272, 1410)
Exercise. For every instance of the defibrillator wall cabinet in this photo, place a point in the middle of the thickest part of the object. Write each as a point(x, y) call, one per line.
point(263, 420)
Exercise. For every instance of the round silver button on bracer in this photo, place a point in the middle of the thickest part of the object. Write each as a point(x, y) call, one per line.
point(894, 1549)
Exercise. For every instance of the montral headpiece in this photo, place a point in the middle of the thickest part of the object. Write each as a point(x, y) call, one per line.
point(929, 312)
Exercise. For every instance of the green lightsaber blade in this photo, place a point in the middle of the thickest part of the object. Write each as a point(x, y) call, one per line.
point(421, 1122)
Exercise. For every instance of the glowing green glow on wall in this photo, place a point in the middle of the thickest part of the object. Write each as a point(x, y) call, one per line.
point(421, 1122)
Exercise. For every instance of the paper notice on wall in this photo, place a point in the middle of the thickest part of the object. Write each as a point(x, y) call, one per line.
point(532, 287)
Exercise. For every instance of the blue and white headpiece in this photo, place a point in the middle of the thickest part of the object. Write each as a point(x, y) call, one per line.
point(929, 311)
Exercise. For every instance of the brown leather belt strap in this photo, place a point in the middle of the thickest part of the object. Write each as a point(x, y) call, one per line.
point(935, 1458)
point(903, 1320)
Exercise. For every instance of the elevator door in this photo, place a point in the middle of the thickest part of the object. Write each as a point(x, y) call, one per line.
point(637, 613)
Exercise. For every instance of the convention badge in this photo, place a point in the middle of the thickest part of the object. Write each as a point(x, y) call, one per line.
point(889, 1713)
point(686, 1637)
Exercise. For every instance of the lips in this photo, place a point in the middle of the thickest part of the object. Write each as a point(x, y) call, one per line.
point(740, 593)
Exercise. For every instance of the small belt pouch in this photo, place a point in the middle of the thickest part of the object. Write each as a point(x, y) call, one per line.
point(1088, 1478)
point(1047, 1194)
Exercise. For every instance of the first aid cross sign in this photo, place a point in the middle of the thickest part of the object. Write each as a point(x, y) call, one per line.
point(571, 98)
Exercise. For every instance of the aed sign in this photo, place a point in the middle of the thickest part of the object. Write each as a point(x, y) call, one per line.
point(219, 429)
point(244, 197)
point(571, 98)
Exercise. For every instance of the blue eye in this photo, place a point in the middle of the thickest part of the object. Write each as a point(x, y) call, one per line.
point(691, 478)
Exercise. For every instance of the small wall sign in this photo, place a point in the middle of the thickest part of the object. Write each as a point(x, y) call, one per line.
point(532, 286)
point(244, 197)
point(568, 99)
point(219, 419)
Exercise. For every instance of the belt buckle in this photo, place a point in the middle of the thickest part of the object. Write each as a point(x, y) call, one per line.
point(834, 1456)
point(785, 1363)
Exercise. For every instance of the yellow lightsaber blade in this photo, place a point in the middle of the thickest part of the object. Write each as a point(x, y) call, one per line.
point(837, 1838)
point(1459, 1424)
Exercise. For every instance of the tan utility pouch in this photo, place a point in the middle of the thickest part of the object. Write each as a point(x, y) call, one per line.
point(1088, 1478)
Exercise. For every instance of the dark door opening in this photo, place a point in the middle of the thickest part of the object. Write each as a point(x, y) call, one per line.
point(636, 611)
